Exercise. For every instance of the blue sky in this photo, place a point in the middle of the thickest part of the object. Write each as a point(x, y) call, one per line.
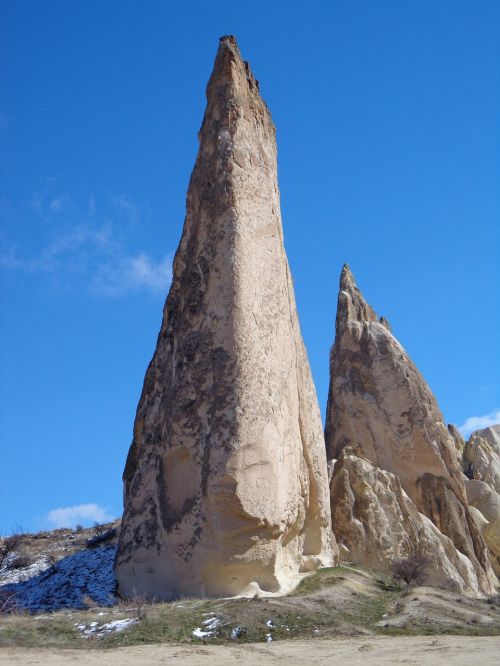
point(388, 137)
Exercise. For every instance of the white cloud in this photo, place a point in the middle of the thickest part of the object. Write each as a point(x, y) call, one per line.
point(94, 254)
point(71, 516)
point(480, 422)
point(131, 274)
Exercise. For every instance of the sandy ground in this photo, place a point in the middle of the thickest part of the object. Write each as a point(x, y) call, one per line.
point(369, 651)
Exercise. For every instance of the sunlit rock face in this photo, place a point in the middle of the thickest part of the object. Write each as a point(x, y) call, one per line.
point(376, 523)
point(381, 408)
point(481, 456)
point(481, 464)
point(226, 488)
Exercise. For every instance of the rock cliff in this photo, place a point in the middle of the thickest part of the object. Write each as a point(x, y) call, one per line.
point(225, 484)
point(481, 464)
point(381, 408)
point(376, 523)
point(481, 456)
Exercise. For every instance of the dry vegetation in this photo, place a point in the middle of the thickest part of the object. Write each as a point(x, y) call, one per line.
point(339, 601)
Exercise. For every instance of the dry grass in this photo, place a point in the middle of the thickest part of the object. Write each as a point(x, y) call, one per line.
point(332, 602)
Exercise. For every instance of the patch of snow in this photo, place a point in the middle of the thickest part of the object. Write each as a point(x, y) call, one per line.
point(86, 573)
point(118, 625)
point(199, 633)
point(236, 632)
point(93, 629)
point(212, 623)
point(10, 576)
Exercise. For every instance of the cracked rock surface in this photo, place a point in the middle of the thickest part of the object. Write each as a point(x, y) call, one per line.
point(481, 464)
point(225, 484)
point(381, 409)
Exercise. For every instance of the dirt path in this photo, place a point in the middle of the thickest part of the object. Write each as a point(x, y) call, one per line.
point(375, 651)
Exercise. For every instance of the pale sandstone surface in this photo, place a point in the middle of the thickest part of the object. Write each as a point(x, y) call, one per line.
point(486, 503)
point(226, 488)
point(458, 440)
point(481, 464)
point(355, 651)
point(380, 406)
point(481, 456)
point(377, 523)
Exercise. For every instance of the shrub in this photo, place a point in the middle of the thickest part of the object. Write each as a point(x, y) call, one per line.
point(21, 561)
point(411, 569)
point(7, 602)
point(98, 528)
point(8, 545)
point(494, 599)
point(101, 537)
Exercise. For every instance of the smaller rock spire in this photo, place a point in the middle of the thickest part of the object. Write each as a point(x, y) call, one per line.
point(351, 304)
point(381, 409)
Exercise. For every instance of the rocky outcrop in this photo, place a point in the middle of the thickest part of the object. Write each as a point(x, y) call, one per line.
point(376, 523)
point(458, 440)
point(481, 456)
point(481, 464)
point(225, 484)
point(486, 503)
point(381, 408)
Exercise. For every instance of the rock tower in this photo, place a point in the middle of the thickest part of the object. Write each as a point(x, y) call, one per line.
point(481, 465)
point(381, 411)
point(225, 484)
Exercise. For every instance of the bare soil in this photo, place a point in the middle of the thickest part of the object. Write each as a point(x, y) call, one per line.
point(372, 650)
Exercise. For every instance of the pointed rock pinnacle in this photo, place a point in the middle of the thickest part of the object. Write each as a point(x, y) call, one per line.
point(226, 488)
point(381, 409)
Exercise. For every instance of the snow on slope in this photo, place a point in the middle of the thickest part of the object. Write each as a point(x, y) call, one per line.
point(86, 573)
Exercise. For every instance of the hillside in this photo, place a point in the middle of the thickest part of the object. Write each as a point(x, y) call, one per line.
point(73, 580)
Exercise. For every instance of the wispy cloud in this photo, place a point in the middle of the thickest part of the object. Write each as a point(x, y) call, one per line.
point(479, 422)
point(71, 516)
point(122, 203)
point(130, 274)
point(94, 255)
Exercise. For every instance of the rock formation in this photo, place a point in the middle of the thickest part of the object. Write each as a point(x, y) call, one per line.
point(481, 464)
point(225, 484)
point(481, 456)
point(458, 440)
point(381, 408)
point(377, 523)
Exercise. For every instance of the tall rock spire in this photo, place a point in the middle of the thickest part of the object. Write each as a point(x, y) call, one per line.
point(381, 409)
point(225, 485)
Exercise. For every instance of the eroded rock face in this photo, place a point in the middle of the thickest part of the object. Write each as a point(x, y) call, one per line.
point(226, 488)
point(381, 408)
point(375, 523)
point(481, 456)
point(481, 464)
point(458, 440)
